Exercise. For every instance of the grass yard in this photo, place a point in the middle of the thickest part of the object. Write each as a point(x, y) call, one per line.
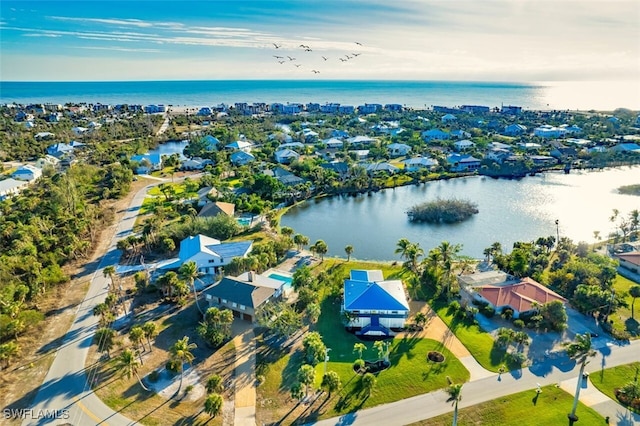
point(611, 378)
point(521, 409)
point(478, 342)
point(410, 373)
point(622, 318)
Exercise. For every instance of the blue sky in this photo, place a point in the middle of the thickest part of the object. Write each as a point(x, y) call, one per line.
point(472, 40)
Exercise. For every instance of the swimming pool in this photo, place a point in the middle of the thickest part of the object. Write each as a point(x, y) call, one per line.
point(286, 280)
point(244, 221)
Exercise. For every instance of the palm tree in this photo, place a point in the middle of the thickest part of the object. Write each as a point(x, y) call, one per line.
point(349, 250)
point(331, 381)
point(110, 271)
point(580, 350)
point(189, 272)
point(105, 339)
point(359, 348)
point(181, 353)
point(321, 248)
point(213, 404)
point(402, 246)
point(127, 364)
point(150, 330)
point(455, 395)
point(136, 336)
point(448, 253)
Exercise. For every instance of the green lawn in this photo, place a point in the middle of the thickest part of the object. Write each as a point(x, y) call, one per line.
point(478, 342)
point(611, 378)
point(521, 409)
point(410, 372)
point(622, 318)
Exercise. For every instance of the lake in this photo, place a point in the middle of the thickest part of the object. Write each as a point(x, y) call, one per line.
point(510, 211)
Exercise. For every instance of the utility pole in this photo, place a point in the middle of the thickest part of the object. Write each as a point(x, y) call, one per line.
point(557, 233)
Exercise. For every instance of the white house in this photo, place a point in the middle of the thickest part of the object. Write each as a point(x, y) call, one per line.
point(208, 253)
point(419, 163)
point(548, 131)
point(333, 143)
point(374, 306)
point(464, 145)
point(286, 156)
point(398, 149)
point(10, 187)
point(47, 161)
point(239, 146)
point(27, 173)
point(363, 140)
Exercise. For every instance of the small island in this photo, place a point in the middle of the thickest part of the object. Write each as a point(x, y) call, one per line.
point(442, 211)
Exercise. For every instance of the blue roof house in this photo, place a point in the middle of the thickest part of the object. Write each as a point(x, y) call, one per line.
point(373, 306)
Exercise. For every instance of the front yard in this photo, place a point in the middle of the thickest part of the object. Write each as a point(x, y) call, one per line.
point(609, 379)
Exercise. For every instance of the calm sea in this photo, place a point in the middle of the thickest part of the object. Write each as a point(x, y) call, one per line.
point(415, 94)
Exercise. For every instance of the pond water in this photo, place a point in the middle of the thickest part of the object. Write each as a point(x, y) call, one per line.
point(170, 147)
point(510, 211)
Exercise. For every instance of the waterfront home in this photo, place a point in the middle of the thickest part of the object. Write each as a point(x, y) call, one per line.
point(216, 208)
point(208, 253)
point(542, 160)
point(563, 152)
point(419, 163)
point(284, 176)
point(502, 291)
point(10, 187)
point(463, 163)
point(211, 142)
point(241, 158)
point(511, 110)
point(393, 107)
point(374, 306)
point(435, 134)
point(398, 149)
point(27, 173)
point(498, 155)
point(340, 167)
point(377, 168)
point(244, 295)
point(147, 163)
point(369, 108)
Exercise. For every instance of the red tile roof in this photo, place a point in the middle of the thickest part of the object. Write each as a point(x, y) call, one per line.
point(519, 296)
point(633, 257)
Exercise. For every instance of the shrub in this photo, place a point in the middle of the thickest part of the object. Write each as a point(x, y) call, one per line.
point(454, 307)
point(358, 365)
point(518, 323)
point(488, 311)
point(153, 376)
point(188, 389)
point(442, 211)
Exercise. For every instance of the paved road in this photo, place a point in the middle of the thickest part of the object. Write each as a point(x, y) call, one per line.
point(551, 371)
point(65, 390)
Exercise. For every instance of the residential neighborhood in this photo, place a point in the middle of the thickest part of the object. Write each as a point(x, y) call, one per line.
point(191, 206)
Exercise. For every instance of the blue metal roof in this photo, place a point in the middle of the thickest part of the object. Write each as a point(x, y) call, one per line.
point(361, 295)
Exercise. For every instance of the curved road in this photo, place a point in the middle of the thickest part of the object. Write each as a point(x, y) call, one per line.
point(65, 396)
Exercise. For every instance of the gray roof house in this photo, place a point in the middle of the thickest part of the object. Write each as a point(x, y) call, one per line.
point(243, 295)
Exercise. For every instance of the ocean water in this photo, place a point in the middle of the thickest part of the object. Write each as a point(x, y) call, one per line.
point(414, 94)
